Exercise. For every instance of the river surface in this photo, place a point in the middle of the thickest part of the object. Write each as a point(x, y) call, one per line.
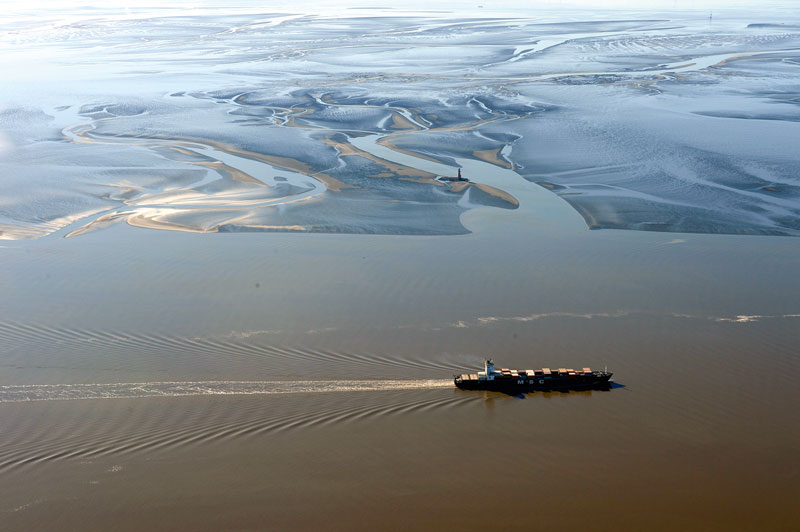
point(237, 379)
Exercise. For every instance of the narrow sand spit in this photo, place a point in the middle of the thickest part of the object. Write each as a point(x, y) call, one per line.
point(492, 156)
point(348, 149)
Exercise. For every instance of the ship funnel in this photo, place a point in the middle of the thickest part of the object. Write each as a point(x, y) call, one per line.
point(489, 367)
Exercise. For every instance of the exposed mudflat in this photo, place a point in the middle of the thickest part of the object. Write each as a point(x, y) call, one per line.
point(206, 121)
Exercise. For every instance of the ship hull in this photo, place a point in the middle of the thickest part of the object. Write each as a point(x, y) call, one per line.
point(524, 385)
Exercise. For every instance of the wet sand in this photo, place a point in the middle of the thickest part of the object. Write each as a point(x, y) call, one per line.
point(348, 150)
point(491, 156)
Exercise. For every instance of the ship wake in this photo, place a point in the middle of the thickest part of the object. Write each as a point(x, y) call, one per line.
point(64, 392)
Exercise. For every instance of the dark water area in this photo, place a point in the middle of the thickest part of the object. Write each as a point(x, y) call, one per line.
point(423, 459)
point(348, 421)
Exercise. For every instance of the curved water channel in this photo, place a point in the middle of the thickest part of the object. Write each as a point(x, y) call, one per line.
point(538, 207)
point(268, 175)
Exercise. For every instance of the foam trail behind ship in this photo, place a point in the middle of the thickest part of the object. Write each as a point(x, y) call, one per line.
point(63, 392)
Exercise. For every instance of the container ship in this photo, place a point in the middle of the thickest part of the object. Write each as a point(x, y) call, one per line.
point(527, 380)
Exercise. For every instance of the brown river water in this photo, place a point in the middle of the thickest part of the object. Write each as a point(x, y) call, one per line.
point(158, 380)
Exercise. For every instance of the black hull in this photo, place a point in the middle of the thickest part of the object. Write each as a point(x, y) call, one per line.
point(534, 385)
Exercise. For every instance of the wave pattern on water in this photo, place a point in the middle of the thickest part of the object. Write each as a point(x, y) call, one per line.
point(125, 432)
point(78, 347)
point(62, 392)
